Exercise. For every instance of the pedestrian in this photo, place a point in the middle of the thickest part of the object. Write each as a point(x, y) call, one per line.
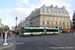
point(73, 32)
point(8, 33)
point(15, 33)
point(0, 33)
point(3, 36)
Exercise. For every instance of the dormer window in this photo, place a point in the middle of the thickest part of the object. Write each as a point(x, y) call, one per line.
point(43, 9)
point(49, 10)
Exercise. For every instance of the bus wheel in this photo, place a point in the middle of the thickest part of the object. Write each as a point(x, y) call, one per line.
point(53, 33)
point(31, 35)
point(42, 34)
point(23, 35)
point(20, 35)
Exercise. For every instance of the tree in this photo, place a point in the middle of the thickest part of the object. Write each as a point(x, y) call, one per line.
point(6, 28)
point(1, 29)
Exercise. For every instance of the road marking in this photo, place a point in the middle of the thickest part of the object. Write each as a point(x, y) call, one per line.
point(20, 43)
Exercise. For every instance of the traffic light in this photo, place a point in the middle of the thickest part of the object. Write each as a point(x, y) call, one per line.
point(15, 26)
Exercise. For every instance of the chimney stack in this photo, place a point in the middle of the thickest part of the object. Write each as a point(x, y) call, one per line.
point(56, 6)
point(63, 7)
point(52, 5)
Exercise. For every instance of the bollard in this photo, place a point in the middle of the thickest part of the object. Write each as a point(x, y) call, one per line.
point(5, 40)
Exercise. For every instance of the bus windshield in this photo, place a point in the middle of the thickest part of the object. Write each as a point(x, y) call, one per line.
point(22, 30)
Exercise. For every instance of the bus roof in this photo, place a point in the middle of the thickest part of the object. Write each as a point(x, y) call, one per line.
point(33, 27)
point(52, 28)
point(39, 28)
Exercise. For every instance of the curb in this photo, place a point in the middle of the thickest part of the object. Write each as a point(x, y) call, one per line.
point(8, 46)
point(60, 33)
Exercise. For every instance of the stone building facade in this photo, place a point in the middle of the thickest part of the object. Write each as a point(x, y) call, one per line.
point(49, 16)
point(74, 20)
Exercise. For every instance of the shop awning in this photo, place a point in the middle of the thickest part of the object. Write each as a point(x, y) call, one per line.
point(67, 30)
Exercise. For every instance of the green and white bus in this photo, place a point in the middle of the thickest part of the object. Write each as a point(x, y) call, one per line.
point(29, 31)
point(52, 31)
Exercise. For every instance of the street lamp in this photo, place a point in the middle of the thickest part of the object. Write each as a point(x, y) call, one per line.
point(16, 22)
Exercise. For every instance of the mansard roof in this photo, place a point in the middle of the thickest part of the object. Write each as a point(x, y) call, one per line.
point(53, 9)
point(50, 9)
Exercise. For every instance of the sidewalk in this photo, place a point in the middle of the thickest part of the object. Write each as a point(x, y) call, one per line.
point(66, 33)
point(5, 46)
point(9, 37)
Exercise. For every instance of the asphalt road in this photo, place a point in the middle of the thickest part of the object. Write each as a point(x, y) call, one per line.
point(47, 42)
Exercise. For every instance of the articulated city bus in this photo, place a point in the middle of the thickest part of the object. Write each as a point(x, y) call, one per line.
point(30, 31)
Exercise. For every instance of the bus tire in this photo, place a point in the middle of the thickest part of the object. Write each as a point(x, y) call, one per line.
point(23, 35)
point(53, 33)
point(31, 35)
point(42, 34)
point(20, 35)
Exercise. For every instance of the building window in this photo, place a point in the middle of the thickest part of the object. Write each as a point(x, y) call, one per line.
point(64, 27)
point(47, 22)
point(51, 14)
point(52, 18)
point(59, 27)
point(47, 18)
point(67, 23)
point(43, 17)
point(59, 15)
point(63, 19)
point(30, 22)
point(60, 23)
point(43, 9)
point(56, 18)
point(63, 23)
point(67, 27)
point(59, 18)
point(52, 23)
point(57, 11)
point(63, 12)
point(56, 23)
point(43, 22)
point(49, 10)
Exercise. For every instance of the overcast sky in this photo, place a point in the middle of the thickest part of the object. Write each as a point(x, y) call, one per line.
point(9, 9)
